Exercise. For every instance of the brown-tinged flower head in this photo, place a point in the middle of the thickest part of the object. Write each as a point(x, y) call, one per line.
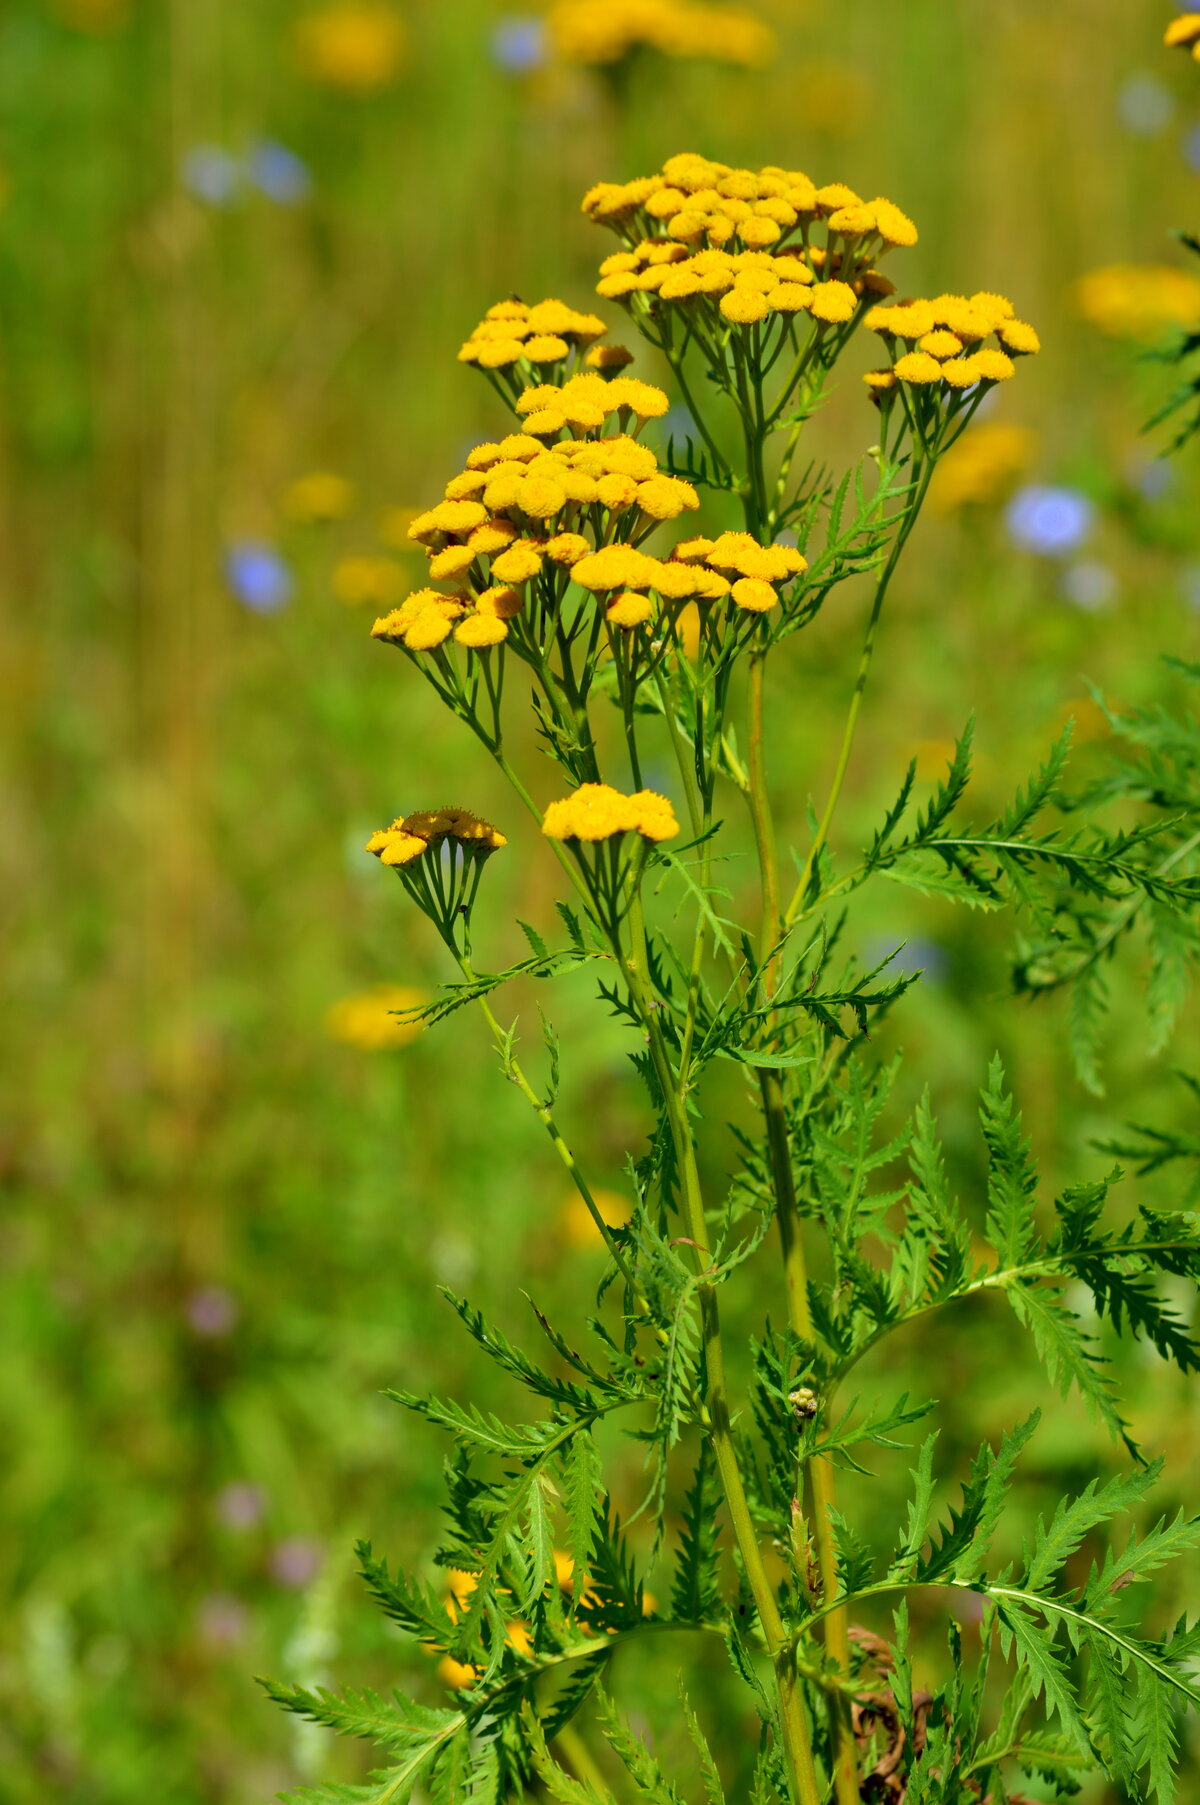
point(607, 31)
point(411, 836)
point(596, 811)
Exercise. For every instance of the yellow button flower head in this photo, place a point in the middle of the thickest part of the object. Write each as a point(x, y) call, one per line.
point(755, 596)
point(519, 563)
point(503, 602)
point(358, 46)
point(453, 562)
point(596, 812)
point(918, 367)
point(567, 548)
point(608, 357)
point(447, 517)
point(742, 554)
point(479, 631)
point(1183, 33)
point(745, 306)
point(941, 344)
point(666, 497)
point(614, 567)
point(629, 609)
point(319, 497)
point(370, 1020)
point(833, 303)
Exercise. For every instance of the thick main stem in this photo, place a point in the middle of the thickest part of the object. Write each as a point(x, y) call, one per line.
point(794, 1726)
point(821, 1477)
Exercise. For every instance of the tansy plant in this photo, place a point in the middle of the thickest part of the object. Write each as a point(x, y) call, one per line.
point(569, 552)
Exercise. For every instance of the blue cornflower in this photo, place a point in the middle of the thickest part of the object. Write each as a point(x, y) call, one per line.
point(518, 44)
point(211, 174)
point(1051, 521)
point(257, 577)
point(279, 173)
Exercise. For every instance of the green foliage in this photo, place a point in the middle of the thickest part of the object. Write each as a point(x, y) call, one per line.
point(1182, 405)
point(762, 1509)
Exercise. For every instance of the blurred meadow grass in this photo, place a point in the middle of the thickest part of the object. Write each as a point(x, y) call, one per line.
point(224, 1225)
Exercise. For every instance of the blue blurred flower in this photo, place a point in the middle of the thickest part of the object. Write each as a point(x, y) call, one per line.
point(1051, 521)
point(1090, 586)
point(519, 43)
point(914, 956)
point(1191, 149)
point(257, 577)
point(1145, 106)
point(279, 173)
point(211, 174)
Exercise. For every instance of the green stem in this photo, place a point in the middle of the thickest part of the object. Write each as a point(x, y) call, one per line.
point(860, 684)
point(794, 1725)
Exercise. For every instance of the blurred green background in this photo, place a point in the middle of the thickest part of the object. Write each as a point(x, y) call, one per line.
point(239, 245)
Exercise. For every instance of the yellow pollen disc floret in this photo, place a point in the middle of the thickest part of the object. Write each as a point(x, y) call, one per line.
point(629, 609)
point(479, 631)
point(918, 367)
point(754, 595)
point(833, 303)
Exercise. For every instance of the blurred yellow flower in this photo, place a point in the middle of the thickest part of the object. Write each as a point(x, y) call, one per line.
point(1138, 300)
point(319, 496)
point(366, 1020)
point(575, 1224)
point(358, 46)
point(1183, 33)
point(455, 1674)
point(362, 579)
point(983, 467)
point(606, 31)
point(393, 528)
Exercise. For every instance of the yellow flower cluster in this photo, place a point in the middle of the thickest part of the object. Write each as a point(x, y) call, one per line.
point(1138, 300)
point(1183, 33)
point(358, 46)
point(746, 243)
point(943, 342)
point(411, 835)
point(606, 31)
point(983, 466)
point(595, 811)
point(369, 1020)
point(546, 333)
